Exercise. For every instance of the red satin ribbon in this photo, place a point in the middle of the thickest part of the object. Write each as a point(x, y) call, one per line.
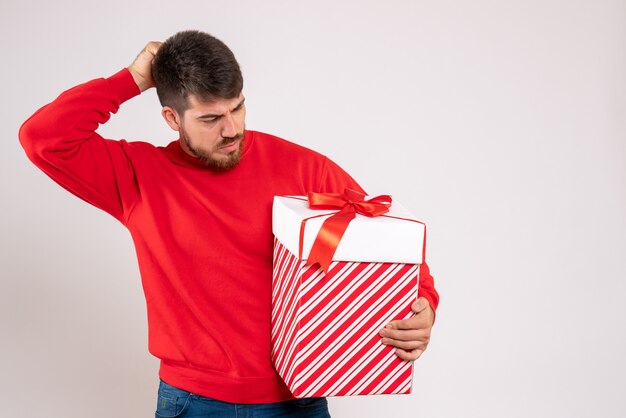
point(350, 203)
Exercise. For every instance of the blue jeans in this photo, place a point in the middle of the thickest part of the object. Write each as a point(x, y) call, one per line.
point(174, 402)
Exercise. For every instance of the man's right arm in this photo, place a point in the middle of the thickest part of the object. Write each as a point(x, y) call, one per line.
point(60, 139)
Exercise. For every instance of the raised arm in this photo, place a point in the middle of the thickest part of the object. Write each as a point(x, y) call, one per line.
point(61, 139)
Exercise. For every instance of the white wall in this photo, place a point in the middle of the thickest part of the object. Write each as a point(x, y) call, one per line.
point(501, 123)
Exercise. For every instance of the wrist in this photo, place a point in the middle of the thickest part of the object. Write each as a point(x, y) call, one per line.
point(140, 81)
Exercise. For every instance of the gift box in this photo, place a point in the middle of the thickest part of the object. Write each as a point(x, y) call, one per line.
point(326, 316)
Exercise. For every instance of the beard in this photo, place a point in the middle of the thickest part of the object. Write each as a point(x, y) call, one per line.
point(221, 163)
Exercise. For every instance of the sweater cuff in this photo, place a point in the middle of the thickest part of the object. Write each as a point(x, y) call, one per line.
point(123, 85)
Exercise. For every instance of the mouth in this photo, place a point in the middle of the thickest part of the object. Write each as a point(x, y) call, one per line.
point(228, 148)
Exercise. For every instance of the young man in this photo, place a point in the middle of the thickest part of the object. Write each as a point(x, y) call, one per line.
point(199, 213)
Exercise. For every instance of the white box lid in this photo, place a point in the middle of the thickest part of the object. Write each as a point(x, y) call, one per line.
point(381, 239)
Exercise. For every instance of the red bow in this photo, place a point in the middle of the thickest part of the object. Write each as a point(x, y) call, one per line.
point(350, 203)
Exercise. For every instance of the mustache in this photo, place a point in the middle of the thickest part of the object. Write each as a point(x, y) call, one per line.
point(227, 141)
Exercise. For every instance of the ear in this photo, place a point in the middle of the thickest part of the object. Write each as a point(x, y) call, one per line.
point(171, 117)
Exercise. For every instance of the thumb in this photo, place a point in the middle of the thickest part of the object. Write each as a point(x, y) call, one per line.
point(419, 305)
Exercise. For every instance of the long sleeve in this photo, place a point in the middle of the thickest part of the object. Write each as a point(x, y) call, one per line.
point(60, 139)
point(335, 180)
point(427, 287)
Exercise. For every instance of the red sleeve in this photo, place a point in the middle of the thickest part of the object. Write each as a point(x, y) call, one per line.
point(60, 139)
point(427, 287)
point(335, 180)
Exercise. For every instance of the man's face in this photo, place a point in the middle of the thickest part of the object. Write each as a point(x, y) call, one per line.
point(214, 131)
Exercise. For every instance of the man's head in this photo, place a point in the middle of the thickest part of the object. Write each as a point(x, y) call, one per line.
point(199, 84)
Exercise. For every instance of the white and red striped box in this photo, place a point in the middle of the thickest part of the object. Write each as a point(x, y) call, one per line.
point(325, 339)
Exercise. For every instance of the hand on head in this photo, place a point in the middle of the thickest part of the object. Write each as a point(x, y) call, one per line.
point(141, 68)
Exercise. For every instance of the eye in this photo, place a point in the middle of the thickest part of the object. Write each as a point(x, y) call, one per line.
point(239, 107)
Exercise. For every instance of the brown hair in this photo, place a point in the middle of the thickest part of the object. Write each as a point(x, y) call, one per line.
point(195, 63)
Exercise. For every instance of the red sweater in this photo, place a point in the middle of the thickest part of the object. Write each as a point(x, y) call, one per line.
point(203, 238)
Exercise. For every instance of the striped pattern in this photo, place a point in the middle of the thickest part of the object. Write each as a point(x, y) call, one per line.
point(325, 338)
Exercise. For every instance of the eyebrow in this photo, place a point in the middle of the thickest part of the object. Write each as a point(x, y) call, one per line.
point(216, 115)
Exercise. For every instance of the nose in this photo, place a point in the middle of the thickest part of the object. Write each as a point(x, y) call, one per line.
point(229, 128)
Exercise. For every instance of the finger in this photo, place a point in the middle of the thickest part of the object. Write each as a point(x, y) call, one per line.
point(419, 321)
point(405, 345)
point(419, 305)
point(406, 335)
point(409, 355)
point(153, 47)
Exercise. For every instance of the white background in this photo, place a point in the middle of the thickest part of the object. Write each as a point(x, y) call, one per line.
point(502, 124)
